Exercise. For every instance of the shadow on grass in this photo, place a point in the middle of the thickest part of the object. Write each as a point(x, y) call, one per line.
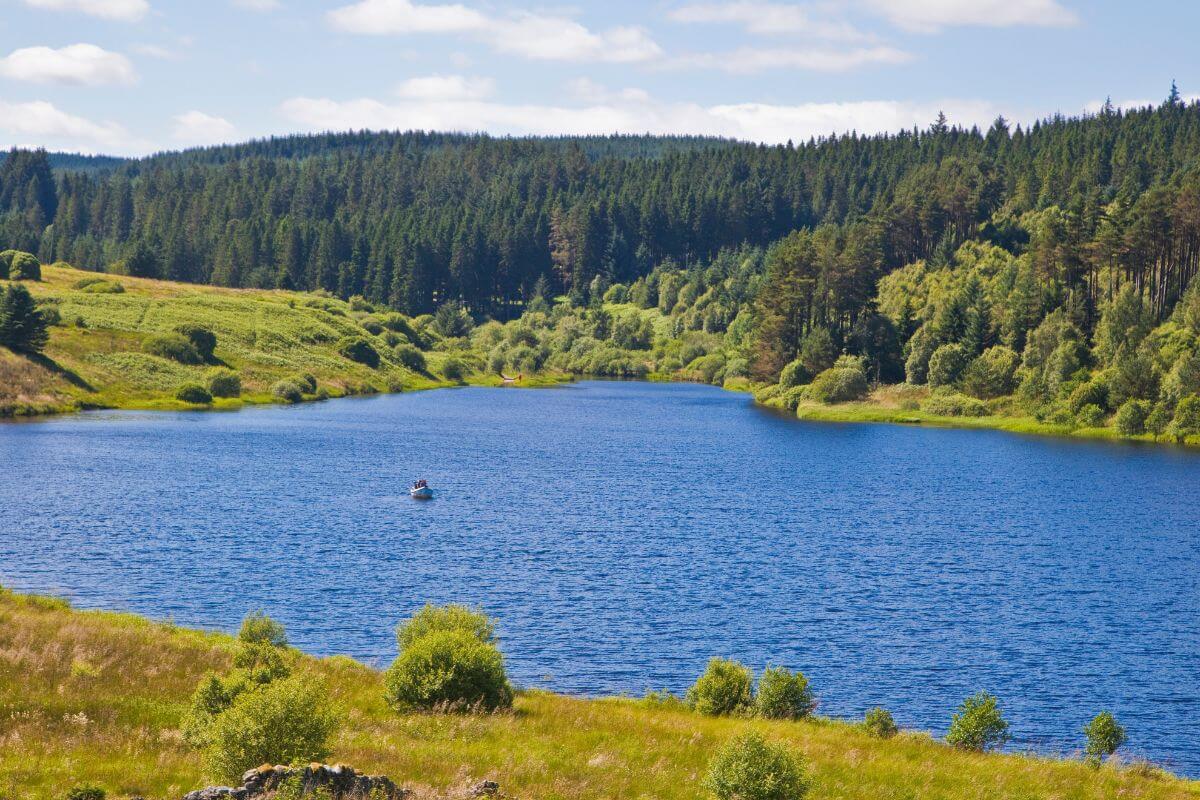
point(70, 376)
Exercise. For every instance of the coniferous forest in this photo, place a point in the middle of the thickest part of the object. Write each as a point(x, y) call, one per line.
point(944, 255)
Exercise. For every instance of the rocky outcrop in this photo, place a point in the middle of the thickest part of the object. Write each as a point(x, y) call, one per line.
point(338, 781)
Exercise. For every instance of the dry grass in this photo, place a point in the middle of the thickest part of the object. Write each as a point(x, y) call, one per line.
point(90, 697)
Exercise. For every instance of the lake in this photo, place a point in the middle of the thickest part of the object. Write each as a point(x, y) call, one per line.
point(623, 533)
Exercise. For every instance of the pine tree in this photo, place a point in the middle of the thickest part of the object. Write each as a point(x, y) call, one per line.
point(22, 327)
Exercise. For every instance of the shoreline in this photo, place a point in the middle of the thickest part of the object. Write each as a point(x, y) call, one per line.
point(851, 413)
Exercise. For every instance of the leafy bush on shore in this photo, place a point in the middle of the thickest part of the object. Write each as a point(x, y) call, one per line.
point(748, 767)
point(224, 383)
point(782, 694)
point(978, 724)
point(194, 393)
point(726, 687)
point(879, 723)
point(448, 662)
point(172, 346)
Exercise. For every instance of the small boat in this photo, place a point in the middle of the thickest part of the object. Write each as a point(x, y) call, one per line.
point(421, 491)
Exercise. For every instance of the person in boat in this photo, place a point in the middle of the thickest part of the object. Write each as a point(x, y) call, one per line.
point(421, 484)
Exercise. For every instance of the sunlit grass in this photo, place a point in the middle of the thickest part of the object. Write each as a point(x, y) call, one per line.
point(92, 697)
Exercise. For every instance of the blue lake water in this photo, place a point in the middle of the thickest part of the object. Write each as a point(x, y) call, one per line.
point(623, 533)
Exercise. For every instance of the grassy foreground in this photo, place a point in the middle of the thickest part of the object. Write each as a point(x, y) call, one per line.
point(96, 698)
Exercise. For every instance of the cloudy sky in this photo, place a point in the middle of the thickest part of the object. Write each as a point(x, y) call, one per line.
point(136, 76)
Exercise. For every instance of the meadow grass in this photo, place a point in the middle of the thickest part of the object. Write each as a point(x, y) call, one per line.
point(94, 358)
point(96, 698)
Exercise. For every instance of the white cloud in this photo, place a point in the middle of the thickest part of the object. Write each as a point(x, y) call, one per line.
point(74, 65)
point(197, 128)
point(381, 17)
point(534, 36)
point(748, 60)
point(42, 124)
point(155, 51)
point(123, 10)
point(768, 19)
point(632, 111)
point(258, 5)
point(445, 87)
point(929, 16)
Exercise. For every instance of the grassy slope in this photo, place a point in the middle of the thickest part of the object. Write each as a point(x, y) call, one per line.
point(264, 335)
point(91, 697)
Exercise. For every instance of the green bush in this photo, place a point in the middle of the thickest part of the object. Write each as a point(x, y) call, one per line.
point(410, 357)
point(20, 266)
point(1159, 419)
point(454, 370)
point(203, 339)
point(992, 374)
point(193, 393)
point(224, 383)
point(978, 724)
point(1090, 416)
point(954, 405)
point(100, 286)
point(947, 364)
point(289, 390)
point(288, 721)
point(783, 695)
point(1104, 736)
point(50, 313)
point(794, 374)
point(172, 346)
point(258, 628)
point(748, 767)
point(438, 619)
point(1091, 393)
point(86, 793)
point(448, 670)
point(359, 350)
point(1131, 417)
point(879, 723)
point(846, 380)
point(22, 326)
point(1187, 418)
point(726, 687)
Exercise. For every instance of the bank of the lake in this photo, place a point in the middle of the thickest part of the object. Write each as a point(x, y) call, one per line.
point(96, 699)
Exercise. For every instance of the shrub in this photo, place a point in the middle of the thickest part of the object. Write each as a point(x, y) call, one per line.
point(452, 321)
point(846, 380)
point(372, 326)
point(20, 266)
point(307, 381)
point(101, 286)
point(783, 695)
point(726, 687)
point(437, 619)
point(224, 383)
point(1187, 418)
point(978, 724)
point(992, 374)
point(172, 346)
point(617, 293)
point(1091, 393)
point(454, 370)
point(947, 364)
point(410, 357)
point(203, 339)
point(794, 374)
point(1104, 736)
point(359, 350)
point(50, 313)
point(1159, 419)
point(954, 405)
point(193, 393)
point(451, 670)
point(258, 628)
point(748, 767)
point(1090, 416)
point(285, 722)
point(288, 390)
point(86, 793)
point(879, 723)
point(1131, 417)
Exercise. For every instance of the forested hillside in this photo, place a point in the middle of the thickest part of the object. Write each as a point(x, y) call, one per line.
point(1029, 261)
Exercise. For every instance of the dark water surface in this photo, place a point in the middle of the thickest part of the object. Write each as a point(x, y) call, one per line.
point(623, 533)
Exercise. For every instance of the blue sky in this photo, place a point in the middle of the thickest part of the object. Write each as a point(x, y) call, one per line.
point(136, 76)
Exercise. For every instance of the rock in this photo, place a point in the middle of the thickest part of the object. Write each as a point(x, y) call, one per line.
point(485, 789)
point(337, 781)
